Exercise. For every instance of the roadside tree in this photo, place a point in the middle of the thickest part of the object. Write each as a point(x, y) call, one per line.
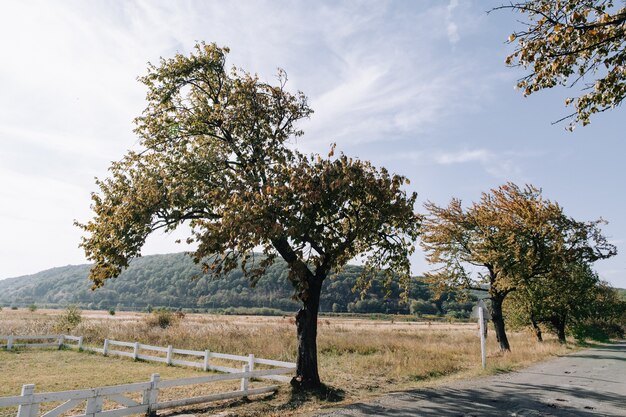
point(216, 152)
point(495, 245)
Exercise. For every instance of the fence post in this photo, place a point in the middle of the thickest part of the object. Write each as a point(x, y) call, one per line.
point(151, 395)
point(105, 348)
point(481, 323)
point(169, 354)
point(29, 409)
point(244, 380)
point(94, 404)
point(10, 342)
point(61, 340)
point(80, 343)
point(207, 355)
point(136, 351)
point(251, 362)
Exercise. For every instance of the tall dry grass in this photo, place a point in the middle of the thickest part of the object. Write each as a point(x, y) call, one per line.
point(360, 357)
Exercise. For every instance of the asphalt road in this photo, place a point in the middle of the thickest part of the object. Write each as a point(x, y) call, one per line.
point(586, 383)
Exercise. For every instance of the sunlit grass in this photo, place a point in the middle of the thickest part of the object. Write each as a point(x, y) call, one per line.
point(360, 357)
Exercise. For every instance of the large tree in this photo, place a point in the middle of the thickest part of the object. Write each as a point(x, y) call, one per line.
point(514, 240)
point(494, 245)
point(216, 152)
point(573, 43)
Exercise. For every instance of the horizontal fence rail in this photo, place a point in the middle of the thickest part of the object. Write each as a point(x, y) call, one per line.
point(28, 402)
point(59, 341)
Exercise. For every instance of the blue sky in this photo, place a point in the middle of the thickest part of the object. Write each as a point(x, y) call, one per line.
point(418, 87)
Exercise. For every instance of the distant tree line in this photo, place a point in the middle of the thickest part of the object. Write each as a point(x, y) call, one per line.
point(174, 281)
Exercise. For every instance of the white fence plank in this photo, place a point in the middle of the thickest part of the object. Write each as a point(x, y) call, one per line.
point(229, 356)
point(32, 337)
point(188, 352)
point(214, 397)
point(187, 363)
point(220, 368)
point(120, 412)
point(12, 401)
point(118, 343)
point(35, 345)
point(151, 358)
point(84, 394)
point(275, 363)
point(155, 348)
point(66, 406)
point(168, 383)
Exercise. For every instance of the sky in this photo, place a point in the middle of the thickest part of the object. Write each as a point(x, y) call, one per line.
point(418, 87)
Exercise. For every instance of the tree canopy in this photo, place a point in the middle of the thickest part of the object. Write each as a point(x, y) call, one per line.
point(506, 242)
point(573, 43)
point(174, 281)
point(217, 152)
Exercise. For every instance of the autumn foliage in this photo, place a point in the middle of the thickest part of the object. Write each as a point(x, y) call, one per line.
point(573, 43)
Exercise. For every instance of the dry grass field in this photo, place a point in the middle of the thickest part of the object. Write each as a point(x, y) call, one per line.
point(359, 358)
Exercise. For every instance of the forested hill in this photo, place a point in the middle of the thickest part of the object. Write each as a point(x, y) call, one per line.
point(174, 281)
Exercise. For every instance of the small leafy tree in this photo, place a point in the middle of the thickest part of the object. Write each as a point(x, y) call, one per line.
point(217, 154)
point(71, 317)
point(573, 43)
point(162, 317)
point(605, 315)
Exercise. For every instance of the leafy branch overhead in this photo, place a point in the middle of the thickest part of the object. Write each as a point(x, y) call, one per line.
point(573, 43)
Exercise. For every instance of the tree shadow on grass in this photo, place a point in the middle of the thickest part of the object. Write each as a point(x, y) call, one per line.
point(324, 393)
point(269, 403)
point(217, 407)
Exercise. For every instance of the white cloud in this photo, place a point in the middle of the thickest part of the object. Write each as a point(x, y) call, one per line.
point(503, 166)
point(374, 71)
point(477, 155)
point(451, 27)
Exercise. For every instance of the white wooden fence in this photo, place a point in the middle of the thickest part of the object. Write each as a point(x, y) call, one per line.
point(203, 357)
point(43, 341)
point(28, 402)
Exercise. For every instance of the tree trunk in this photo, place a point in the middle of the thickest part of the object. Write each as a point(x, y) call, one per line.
point(559, 325)
point(537, 329)
point(561, 332)
point(307, 375)
point(498, 321)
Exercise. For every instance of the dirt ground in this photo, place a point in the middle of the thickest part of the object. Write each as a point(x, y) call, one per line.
point(586, 383)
